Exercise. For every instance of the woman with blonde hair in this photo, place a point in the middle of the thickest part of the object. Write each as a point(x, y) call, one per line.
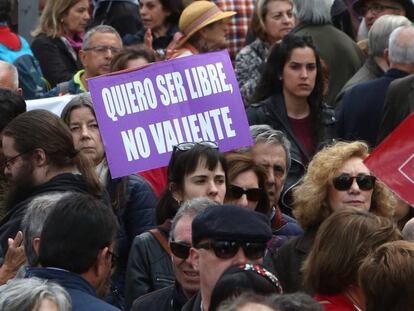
point(336, 179)
point(59, 37)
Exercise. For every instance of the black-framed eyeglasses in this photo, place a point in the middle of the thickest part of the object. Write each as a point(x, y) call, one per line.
point(102, 49)
point(180, 249)
point(377, 8)
point(229, 249)
point(114, 258)
point(8, 162)
point(252, 194)
point(344, 182)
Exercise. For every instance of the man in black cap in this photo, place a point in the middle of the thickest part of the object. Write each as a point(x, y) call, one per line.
point(224, 235)
point(371, 10)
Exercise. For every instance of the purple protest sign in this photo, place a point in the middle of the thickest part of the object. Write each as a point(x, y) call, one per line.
point(142, 114)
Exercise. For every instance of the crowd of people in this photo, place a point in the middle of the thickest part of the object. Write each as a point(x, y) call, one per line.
point(294, 222)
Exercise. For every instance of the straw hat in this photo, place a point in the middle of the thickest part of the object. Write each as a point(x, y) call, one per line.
point(198, 15)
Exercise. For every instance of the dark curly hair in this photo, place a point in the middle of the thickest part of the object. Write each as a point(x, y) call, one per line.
point(271, 84)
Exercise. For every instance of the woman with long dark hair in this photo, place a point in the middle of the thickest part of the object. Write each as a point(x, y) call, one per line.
point(290, 95)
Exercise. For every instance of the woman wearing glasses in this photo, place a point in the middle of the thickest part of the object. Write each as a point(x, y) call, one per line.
point(336, 179)
point(246, 187)
point(59, 37)
point(246, 183)
point(195, 170)
point(132, 198)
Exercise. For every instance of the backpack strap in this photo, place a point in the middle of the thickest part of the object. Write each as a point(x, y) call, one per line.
point(156, 233)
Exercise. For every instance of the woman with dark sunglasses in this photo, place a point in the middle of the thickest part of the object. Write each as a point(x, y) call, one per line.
point(195, 170)
point(246, 183)
point(336, 179)
point(247, 187)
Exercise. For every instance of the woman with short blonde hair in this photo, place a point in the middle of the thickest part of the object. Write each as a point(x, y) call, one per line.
point(311, 206)
point(336, 179)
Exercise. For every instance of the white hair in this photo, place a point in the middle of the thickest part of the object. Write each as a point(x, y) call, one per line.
point(401, 46)
point(379, 34)
point(408, 231)
point(14, 75)
point(27, 295)
point(314, 12)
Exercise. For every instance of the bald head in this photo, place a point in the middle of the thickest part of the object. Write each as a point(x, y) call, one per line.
point(408, 231)
point(9, 78)
point(401, 46)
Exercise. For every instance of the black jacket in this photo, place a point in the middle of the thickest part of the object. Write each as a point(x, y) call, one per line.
point(288, 261)
point(11, 223)
point(194, 304)
point(57, 63)
point(272, 111)
point(136, 214)
point(170, 298)
point(149, 268)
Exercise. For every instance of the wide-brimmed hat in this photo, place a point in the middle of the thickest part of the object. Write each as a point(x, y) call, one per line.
point(408, 6)
point(198, 15)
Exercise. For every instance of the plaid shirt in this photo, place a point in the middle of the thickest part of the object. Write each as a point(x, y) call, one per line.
point(237, 28)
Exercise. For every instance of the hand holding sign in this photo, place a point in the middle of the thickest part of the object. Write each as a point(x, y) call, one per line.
point(142, 114)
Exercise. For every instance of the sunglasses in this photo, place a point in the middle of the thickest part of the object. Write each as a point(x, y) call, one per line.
point(252, 194)
point(229, 249)
point(180, 249)
point(190, 145)
point(344, 182)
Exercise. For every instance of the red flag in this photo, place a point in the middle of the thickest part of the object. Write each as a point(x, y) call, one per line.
point(393, 160)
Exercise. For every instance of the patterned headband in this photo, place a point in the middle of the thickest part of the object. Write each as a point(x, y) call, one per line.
point(264, 273)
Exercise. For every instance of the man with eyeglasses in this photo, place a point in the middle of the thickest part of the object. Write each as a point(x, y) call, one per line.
point(99, 46)
point(371, 10)
point(172, 298)
point(76, 250)
point(224, 235)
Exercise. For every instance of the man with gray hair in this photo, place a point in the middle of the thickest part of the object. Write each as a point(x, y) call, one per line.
point(271, 150)
point(315, 21)
point(172, 298)
point(9, 77)
point(32, 225)
point(99, 46)
point(376, 63)
point(360, 115)
point(33, 220)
